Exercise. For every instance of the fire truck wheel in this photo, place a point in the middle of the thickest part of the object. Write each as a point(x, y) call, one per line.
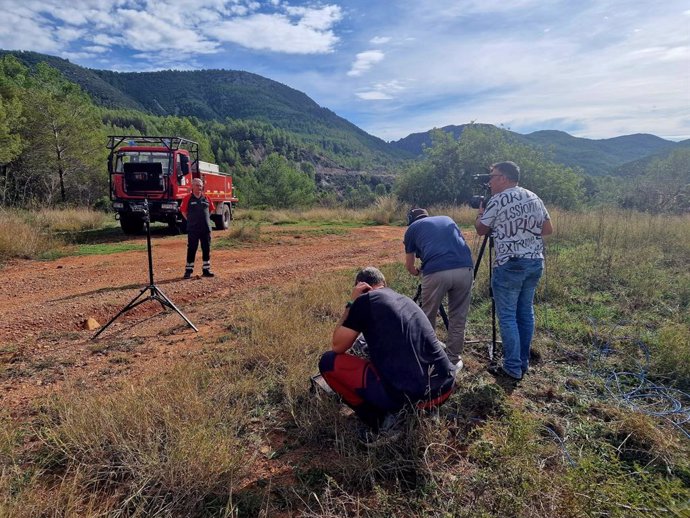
point(223, 222)
point(131, 224)
point(177, 227)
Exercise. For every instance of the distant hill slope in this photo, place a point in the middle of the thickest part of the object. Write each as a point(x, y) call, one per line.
point(219, 94)
point(598, 157)
point(102, 92)
point(640, 166)
point(595, 157)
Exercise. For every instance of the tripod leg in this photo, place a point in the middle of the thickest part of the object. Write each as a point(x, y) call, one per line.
point(444, 315)
point(165, 301)
point(133, 303)
point(154, 296)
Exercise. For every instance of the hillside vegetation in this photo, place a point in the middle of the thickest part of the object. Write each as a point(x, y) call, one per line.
point(54, 117)
point(594, 157)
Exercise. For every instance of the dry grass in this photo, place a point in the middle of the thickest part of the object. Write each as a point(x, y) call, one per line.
point(23, 239)
point(179, 446)
point(28, 235)
point(71, 220)
point(463, 215)
point(166, 447)
point(285, 216)
point(386, 210)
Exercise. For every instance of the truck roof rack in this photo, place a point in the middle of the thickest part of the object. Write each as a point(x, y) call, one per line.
point(172, 143)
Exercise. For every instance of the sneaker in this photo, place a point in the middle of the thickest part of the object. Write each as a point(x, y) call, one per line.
point(499, 372)
point(187, 274)
point(391, 430)
point(366, 435)
point(392, 423)
point(208, 273)
point(458, 366)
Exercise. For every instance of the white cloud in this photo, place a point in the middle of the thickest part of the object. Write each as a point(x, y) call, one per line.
point(68, 34)
point(381, 91)
point(373, 95)
point(20, 30)
point(105, 40)
point(96, 49)
point(147, 32)
point(310, 34)
point(602, 68)
point(364, 61)
point(320, 19)
point(379, 40)
point(162, 27)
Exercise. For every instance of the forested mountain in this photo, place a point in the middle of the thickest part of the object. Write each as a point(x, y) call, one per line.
point(54, 117)
point(100, 91)
point(222, 94)
point(640, 166)
point(595, 157)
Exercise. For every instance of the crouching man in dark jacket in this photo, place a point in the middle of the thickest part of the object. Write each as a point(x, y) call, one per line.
point(407, 366)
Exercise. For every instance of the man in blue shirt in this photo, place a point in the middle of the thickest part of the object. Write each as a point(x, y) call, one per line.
point(446, 269)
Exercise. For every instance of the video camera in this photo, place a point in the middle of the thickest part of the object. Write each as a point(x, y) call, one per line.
point(479, 200)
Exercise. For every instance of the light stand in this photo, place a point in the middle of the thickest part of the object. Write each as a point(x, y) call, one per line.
point(154, 292)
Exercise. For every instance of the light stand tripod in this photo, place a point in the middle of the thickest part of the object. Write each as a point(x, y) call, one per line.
point(154, 292)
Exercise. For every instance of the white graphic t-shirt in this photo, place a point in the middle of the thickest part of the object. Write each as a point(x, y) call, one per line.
point(516, 217)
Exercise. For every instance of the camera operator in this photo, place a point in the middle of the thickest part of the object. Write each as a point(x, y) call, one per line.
point(407, 367)
point(446, 269)
point(196, 209)
point(517, 220)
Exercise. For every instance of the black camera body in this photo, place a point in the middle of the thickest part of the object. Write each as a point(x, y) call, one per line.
point(482, 179)
point(477, 201)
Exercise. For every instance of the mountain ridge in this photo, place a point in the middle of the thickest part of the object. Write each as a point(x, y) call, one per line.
point(218, 94)
point(595, 156)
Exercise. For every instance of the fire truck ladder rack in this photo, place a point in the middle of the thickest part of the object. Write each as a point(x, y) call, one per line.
point(171, 143)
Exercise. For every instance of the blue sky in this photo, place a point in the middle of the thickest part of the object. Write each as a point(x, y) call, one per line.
point(595, 69)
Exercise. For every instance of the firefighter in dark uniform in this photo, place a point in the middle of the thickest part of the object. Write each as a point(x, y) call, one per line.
point(196, 209)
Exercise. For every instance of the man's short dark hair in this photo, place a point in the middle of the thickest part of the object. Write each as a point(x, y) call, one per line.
point(372, 276)
point(508, 169)
point(415, 214)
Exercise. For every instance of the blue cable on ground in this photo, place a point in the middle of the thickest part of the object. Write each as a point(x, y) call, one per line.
point(636, 390)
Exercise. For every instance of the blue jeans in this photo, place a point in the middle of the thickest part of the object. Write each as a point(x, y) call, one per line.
point(513, 285)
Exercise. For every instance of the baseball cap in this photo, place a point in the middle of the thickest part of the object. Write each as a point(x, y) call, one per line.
point(416, 214)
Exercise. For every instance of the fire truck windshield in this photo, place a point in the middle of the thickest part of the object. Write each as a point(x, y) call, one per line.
point(145, 157)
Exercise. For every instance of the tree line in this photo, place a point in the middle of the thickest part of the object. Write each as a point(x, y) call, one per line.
point(52, 151)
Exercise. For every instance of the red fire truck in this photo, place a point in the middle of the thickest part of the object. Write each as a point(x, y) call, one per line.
point(160, 170)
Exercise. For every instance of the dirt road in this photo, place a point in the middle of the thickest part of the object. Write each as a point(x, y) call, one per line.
point(44, 304)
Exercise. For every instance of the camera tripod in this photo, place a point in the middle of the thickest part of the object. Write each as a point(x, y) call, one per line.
point(441, 310)
point(154, 291)
point(488, 238)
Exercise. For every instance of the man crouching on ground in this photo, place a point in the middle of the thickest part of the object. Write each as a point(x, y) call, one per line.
point(408, 365)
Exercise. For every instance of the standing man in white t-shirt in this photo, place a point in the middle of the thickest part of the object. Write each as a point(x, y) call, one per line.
point(517, 220)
